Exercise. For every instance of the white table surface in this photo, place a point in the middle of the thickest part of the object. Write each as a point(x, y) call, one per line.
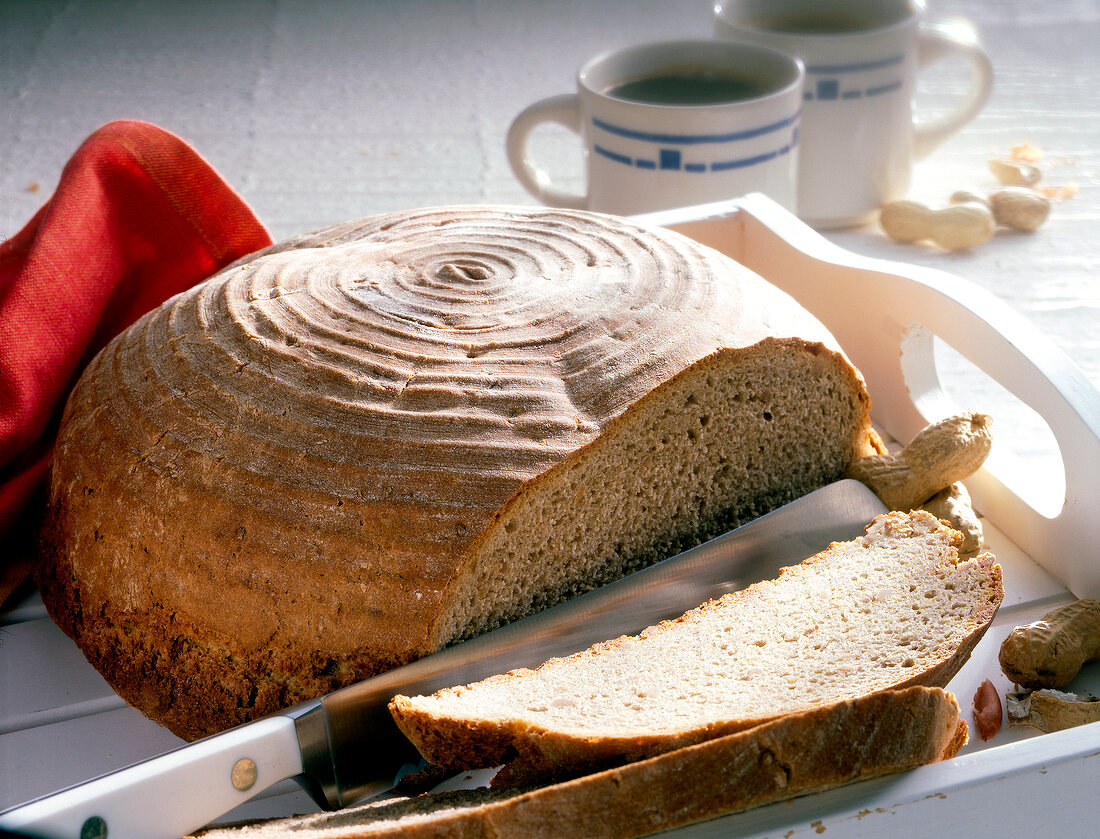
point(318, 112)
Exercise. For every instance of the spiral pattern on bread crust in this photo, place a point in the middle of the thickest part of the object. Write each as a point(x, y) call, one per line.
point(512, 337)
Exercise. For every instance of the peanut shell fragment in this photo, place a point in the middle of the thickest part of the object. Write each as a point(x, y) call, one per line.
point(1051, 710)
point(1015, 172)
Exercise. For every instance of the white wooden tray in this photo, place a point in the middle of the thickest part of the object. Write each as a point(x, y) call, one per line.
point(60, 723)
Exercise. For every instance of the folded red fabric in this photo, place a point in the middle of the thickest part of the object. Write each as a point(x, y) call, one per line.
point(138, 216)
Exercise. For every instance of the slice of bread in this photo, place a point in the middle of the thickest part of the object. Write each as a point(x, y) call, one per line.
point(853, 740)
point(891, 609)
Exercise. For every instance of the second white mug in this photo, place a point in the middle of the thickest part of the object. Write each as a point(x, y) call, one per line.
point(862, 59)
point(673, 123)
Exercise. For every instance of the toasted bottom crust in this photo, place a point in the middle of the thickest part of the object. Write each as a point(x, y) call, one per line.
point(884, 733)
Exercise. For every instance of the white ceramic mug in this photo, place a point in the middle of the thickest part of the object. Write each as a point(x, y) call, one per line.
point(647, 155)
point(862, 58)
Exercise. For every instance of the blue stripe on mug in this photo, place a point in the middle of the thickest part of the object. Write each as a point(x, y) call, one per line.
point(828, 90)
point(692, 139)
point(884, 88)
point(858, 67)
point(670, 159)
point(741, 163)
point(618, 158)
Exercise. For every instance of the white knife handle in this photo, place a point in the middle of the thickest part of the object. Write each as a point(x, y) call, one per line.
point(170, 795)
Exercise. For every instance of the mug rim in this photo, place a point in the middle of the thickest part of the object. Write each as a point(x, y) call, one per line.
point(795, 66)
point(918, 8)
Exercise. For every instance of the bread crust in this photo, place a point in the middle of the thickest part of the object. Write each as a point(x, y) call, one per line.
point(282, 482)
point(858, 739)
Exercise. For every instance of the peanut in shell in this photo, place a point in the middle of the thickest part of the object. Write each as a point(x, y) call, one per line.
point(939, 455)
point(1051, 651)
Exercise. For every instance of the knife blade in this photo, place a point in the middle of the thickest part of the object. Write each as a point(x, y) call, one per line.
point(344, 747)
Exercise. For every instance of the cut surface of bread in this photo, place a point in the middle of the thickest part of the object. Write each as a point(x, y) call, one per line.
point(852, 740)
point(893, 608)
point(361, 445)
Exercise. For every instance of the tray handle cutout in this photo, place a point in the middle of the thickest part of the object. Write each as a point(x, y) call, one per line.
point(885, 315)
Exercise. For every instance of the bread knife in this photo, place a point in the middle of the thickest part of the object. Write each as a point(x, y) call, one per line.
point(344, 747)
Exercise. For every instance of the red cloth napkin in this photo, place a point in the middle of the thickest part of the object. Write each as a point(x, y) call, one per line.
point(138, 216)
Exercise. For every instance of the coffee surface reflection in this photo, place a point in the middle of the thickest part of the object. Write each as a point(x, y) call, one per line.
point(690, 87)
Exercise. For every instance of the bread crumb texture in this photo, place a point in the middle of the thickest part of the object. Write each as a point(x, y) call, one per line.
point(351, 449)
point(891, 609)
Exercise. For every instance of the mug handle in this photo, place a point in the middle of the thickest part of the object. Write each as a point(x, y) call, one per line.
point(938, 39)
point(563, 110)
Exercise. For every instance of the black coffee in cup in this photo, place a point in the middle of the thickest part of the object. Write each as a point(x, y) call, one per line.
point(814, 23)
point(690, 86)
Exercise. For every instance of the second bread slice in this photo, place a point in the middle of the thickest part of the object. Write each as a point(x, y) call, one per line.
point(887, 732)
point(891, 609)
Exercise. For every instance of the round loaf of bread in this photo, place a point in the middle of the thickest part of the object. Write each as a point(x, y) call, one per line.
point(351, 449)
